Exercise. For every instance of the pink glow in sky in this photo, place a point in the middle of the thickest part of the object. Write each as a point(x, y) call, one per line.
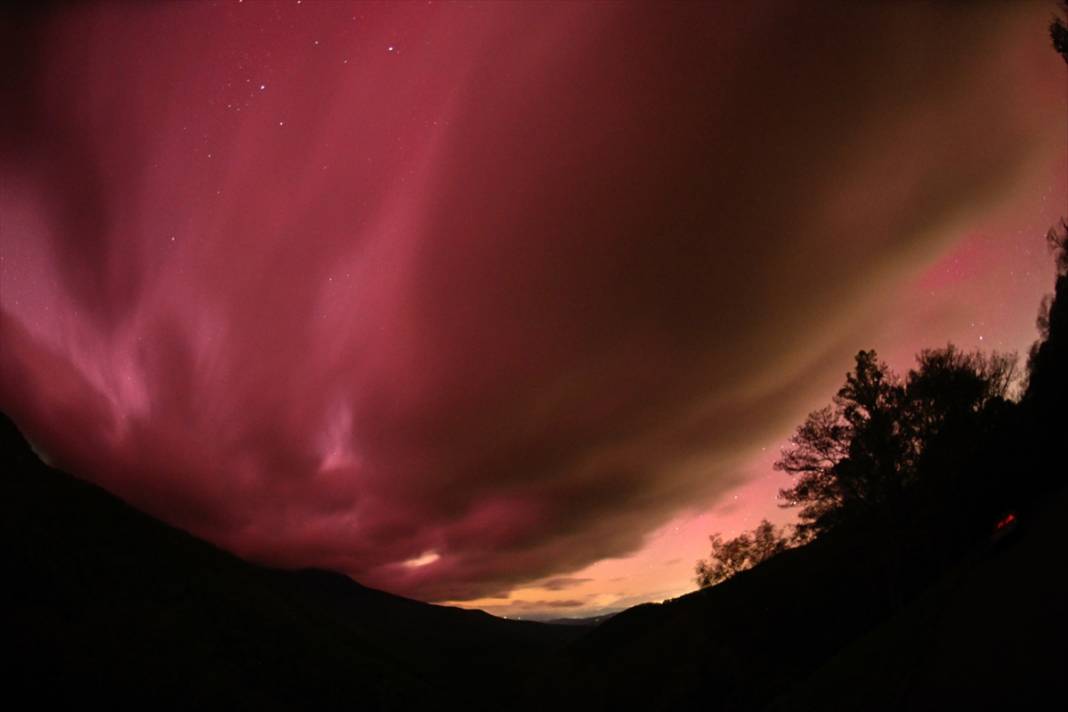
point(502, 304)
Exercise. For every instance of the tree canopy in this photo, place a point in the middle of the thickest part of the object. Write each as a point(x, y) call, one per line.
point(857, 455)
point(732, 556)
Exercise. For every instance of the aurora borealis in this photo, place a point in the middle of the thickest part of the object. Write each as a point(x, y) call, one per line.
point(503, 304)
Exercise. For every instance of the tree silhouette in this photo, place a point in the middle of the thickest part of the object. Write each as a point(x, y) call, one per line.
point(848, 457)
point(1058, 32)
point(857, 457)
point(950, 384)
point(1040, 362)
point(744, 551)
point(1046, 398)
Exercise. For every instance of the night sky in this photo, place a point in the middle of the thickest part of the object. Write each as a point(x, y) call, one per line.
point(508, 305)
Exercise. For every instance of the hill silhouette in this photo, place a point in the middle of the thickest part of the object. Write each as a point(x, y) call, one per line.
point(812, 629)
point(103, 603)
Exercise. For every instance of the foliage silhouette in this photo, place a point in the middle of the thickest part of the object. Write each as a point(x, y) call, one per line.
point(732, 556)
point(856, 457)
point(1045, 401)
point(1058, 33)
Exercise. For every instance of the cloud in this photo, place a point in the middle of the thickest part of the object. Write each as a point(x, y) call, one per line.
point(561, 583)
point(514, 294)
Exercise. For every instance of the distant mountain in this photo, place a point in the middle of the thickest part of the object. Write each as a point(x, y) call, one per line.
point(588, 621)
point(102, 603)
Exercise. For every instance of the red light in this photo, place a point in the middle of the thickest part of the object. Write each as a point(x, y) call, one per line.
point(1006, 521)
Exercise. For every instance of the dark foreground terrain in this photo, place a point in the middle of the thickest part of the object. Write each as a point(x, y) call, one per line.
point(812, 630)
point(105, 604)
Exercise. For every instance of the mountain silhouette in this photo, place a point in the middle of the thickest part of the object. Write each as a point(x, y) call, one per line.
point(103, 603)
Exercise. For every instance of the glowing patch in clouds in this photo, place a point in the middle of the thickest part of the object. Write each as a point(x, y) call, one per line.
point(424, 559)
